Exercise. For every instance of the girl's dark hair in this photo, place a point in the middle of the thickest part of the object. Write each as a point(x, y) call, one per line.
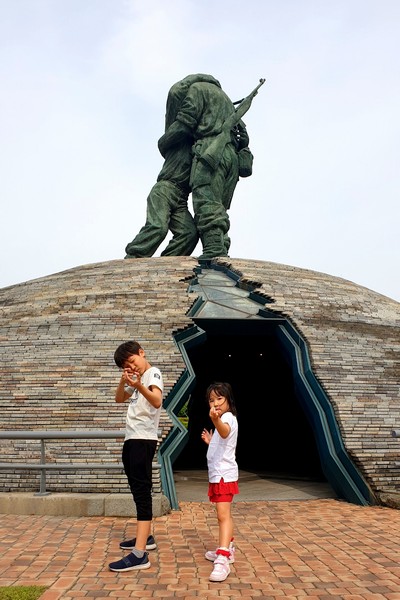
point(225, 390)
point(125, 351)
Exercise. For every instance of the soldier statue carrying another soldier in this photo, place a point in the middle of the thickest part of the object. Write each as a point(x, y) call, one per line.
point(205, 147)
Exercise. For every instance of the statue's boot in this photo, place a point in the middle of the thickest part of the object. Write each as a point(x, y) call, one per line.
point(213, 242)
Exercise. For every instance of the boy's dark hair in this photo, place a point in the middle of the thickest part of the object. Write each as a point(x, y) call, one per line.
point(225, 390)
point(124, 351)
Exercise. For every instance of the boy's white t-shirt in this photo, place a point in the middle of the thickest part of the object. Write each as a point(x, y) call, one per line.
point(142, 418)
point(221, 453)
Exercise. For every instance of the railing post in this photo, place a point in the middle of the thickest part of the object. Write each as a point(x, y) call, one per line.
point(42, 489)
point(42, 466)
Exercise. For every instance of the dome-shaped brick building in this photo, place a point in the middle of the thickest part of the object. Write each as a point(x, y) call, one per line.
point(314, 361)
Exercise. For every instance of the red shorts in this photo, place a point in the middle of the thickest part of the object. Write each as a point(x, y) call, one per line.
point(222, 492)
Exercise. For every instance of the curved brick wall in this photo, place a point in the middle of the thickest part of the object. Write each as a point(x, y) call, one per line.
point(58, 335)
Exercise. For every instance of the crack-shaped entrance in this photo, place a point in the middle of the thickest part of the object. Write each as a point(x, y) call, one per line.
point(225, 308)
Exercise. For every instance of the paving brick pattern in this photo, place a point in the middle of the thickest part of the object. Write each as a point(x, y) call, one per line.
point(320, 549)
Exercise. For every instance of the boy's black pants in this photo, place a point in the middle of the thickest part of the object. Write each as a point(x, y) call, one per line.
point(137, 458)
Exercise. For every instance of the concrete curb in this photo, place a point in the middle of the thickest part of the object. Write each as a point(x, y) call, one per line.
point(77, 505)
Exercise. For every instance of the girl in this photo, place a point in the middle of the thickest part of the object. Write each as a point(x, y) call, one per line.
point(222, 472)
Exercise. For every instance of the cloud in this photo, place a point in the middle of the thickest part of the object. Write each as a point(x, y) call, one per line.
point(156, 43)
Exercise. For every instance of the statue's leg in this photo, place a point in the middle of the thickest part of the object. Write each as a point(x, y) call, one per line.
point(213, 243)
point(211, 218)
point(231, 174)
point(157, 220)
point(227, 243)
point(184, 230)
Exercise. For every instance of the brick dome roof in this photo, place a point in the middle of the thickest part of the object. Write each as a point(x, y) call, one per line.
point(58, 334)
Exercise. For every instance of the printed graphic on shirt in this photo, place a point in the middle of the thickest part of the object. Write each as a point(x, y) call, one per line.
point(135, 396)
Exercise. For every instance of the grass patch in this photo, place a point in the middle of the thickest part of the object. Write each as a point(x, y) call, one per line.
point(22, 592)
point(184, 421)
point(183, 415)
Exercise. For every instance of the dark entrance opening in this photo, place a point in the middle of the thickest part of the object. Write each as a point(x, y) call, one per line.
point(275, 438)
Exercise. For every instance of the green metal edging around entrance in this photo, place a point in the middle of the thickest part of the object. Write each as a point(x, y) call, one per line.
point(178, 436)
point(338, 467)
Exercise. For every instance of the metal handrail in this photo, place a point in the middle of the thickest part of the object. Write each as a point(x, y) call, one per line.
point(47, 434)
point(60, 434)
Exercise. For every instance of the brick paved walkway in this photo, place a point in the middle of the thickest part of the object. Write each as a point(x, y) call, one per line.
point(317, 549)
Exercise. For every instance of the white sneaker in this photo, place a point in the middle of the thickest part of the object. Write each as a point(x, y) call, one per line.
point(212, 554)
point(221, 569)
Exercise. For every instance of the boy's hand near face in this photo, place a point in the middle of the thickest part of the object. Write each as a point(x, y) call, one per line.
point(128, 377)
point(131, 378)
point(153, 394)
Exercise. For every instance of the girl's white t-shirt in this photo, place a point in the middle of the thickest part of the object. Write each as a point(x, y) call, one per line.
point(142, 418)
point(221, 453)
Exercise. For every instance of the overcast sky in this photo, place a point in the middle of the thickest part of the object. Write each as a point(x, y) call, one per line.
point(82, 105)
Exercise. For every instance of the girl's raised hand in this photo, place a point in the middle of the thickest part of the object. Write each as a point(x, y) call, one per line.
point(215, 412)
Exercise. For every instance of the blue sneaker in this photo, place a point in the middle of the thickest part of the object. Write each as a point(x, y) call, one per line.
point(130, 544)
point(130, 563)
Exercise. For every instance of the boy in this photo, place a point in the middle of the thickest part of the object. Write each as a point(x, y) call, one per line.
point(143, 385)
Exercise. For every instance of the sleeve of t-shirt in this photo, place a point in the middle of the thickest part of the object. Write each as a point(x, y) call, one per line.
point(156, 379)
point(229, 419)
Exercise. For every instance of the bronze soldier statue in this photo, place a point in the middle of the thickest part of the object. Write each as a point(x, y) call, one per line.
point(220, 143)
point(167, 203)
point(205, 147)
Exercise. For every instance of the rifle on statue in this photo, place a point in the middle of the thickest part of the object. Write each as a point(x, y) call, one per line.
point(213, 154)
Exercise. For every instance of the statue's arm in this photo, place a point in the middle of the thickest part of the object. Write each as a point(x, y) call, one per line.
point(177, 134)
point(185, 125)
